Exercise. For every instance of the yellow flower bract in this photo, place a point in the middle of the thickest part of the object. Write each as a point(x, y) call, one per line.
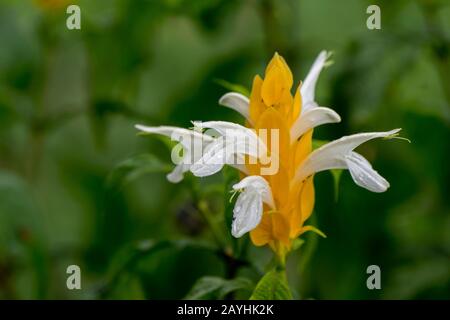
point(272, 106)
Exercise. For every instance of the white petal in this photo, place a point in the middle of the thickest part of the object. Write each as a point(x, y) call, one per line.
point(224, 150)
point(236, 101)
point(309, 85)
point(234, 142)
point(247, 213)
point(334, 155)
point(213, 159)
point(193, 142)
point(238, 134)
point(225, 127)
point(182, 135)
point(177, 173)
point(312, 118)
point(248, 209)
point(258, 184)
point(364, 175)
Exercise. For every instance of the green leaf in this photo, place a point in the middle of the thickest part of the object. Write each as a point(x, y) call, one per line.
point(273, 286)
point(217, 288)
point(233, 87)
point(135, 167)
point(22, 238)
point(125, 261)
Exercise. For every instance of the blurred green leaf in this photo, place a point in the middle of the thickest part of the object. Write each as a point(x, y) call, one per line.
point(21, 240)
point(217, 288)
point(126, 260)
point(273, 286)
point(136, 167)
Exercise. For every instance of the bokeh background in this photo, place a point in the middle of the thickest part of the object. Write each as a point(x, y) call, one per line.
point(78, 186)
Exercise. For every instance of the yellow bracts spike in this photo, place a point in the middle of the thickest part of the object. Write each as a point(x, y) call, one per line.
point(272, 106)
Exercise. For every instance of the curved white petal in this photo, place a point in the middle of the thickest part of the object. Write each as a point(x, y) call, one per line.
point(338, 155)
point(238, 134)
point(237, 102)
point(248, 209)
point(214, 157)
point(234, 142)
point(181, 135)
point(312, 118)
point(225, 127)
point(177, 173)
point(225, 150)
point(309, 85)
point(193, 142)
point(364, 175)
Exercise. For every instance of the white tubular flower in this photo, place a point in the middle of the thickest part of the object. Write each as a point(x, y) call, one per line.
point(308, 87)
point(191, 141)
point(234, 142)
point(237, 102)
point(312, 118)
point(339, 154)
point(248, 210)
point(312, 115)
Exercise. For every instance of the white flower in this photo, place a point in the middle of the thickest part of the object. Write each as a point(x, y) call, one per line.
point(235, 141)
point(191, 141)
point(311, 118)
point(312, 115)
point(248, 209)
point(237, 102)
point(308, 87)
point(339, 154)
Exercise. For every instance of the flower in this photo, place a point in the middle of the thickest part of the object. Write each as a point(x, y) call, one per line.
point(274, 205)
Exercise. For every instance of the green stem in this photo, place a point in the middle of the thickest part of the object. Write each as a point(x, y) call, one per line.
point(212, 223)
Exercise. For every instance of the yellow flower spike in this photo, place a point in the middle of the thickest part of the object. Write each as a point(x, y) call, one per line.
point(273, 107)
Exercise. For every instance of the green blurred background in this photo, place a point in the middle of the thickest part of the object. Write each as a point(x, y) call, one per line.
point(69, 100)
